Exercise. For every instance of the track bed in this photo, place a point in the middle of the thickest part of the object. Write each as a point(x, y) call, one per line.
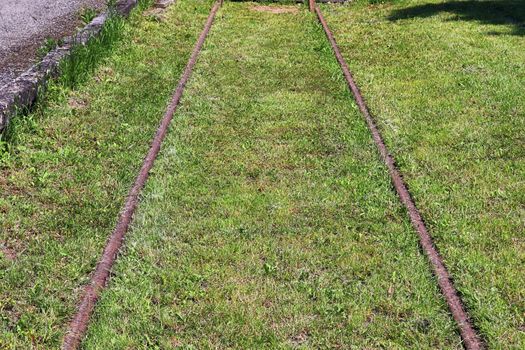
point(269, 221)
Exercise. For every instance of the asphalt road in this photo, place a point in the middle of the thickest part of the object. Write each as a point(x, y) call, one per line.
point(25, 24)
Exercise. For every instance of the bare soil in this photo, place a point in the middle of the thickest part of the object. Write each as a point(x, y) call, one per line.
point(276, 9)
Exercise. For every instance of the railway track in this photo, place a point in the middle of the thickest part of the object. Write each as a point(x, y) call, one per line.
point(99, 279)
point(471, 339)
point(79, 324)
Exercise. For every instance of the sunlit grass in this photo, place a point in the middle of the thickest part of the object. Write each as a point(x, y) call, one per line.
point(269, 221)
point(70, 167)
point(446, 83)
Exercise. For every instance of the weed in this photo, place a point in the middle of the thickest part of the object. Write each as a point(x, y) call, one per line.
point(83, 59)
point(87, 14)
point(48, 45)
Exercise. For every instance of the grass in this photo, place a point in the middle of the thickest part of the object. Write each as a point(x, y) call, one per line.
point(268, 220)
point(69, 167)
point(48, 45)
point(446, 82)
point(75, 69)
point(84, 59)
point(87, 14)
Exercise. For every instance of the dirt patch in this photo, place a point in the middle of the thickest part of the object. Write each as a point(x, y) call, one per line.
point(155, 13)
point(176, 343)
point(300, 339)
point(8, 253)
point(275, 9)
point(77, 103)
point(158, 9)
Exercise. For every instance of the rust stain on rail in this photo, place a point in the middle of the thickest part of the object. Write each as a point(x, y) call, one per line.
point(471, 339)
point(78, 326)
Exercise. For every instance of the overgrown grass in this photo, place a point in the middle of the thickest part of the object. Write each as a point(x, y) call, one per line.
point(74, 159)
point(446, 82)
point(269, 221)
point(85, 58)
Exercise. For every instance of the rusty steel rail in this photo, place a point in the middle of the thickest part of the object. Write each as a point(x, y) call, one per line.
point(78, 326)
point(471, 339)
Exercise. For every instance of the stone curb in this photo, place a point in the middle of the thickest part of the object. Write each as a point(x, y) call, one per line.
point(21, 92)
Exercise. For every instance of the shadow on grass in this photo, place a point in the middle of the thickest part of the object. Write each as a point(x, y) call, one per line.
point(502, 12)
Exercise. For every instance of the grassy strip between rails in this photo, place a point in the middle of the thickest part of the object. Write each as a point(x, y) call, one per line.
point(269, 220)
point(446, 82)
point(75, 158)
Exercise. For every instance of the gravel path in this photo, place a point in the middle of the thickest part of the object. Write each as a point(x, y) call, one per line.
point(25, 24)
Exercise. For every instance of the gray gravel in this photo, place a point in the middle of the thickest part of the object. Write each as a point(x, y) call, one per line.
point(25, 24)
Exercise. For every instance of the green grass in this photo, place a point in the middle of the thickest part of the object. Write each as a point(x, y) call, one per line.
point(84, 59)
point(87, 14)
point(48, 45)
point(269, 220)
point(446, 83)
point(69, 167)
